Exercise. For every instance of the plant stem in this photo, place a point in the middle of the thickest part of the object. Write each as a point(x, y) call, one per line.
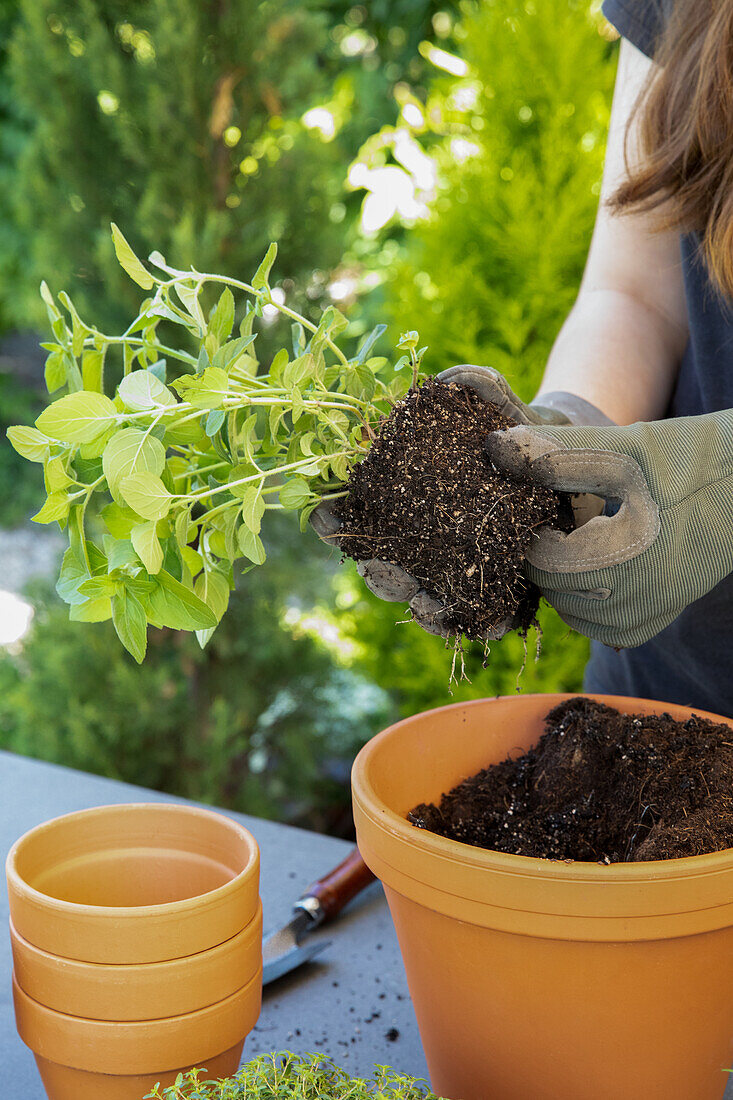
point(281, 308)
point(253, 477)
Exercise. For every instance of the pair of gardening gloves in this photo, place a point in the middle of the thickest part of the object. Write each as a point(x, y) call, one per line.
point(653, 507)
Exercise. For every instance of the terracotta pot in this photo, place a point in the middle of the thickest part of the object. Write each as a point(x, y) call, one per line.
point(136, 883)
point(533, 978)
point(82, 1059)
point(143, 991)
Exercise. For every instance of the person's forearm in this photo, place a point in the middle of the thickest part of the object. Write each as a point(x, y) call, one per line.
point(617, 353)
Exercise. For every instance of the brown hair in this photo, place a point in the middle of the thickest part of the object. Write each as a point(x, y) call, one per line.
point(685, 128)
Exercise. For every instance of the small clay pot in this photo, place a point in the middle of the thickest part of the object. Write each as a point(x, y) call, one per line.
point(142, 991)
point(82, 1059)
point(130, 884)
point(539, 978)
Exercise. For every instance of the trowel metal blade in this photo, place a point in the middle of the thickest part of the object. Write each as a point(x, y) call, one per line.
point(282, 952)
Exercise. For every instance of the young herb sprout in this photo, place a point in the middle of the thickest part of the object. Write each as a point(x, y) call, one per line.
point(287, 1076)
point(187, 469)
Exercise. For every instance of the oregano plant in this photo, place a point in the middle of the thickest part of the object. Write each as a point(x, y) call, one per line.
point(197, 442)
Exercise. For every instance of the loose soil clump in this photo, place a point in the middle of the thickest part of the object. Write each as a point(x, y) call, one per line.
point(599, 786)
point(428, 499)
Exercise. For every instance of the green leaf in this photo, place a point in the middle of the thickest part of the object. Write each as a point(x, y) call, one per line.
point(214, 421)
point(28, 442)
point(91, 611)
point(73, 572)
point(141, 390)
point(253, 507)
point(147, 546)
point(55, 508)
point(190, 299)
point(295, 493)
point(146, 494)
point(54, 372)
point(408, 340)
point(128, 616)
point(213, 588)
point(177, 607)
point(119, 520)
point(205, 391)
point(100, 587)
point(298, 371)
point(129, 261)
point(369, 342)
point(228, 355)
point(191, 559)
point(262, 274)
point(297, 407)
point(203, 361)
point(222, 317)
point(78, 417)
point(92, 364)
point(184, 529)
point(129, 452)
point(251, 545)
point(120, 554)
point(159, 370)
point(340, 466)
point(298, 335)
point(56, 476)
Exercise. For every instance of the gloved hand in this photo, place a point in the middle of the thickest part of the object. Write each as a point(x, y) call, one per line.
point(391, 582)
point(622, 578)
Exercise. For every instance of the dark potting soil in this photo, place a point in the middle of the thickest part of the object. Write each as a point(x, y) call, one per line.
point(427, 498)
point(599, 786)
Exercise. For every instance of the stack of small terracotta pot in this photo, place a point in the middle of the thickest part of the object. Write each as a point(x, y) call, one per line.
point(137, 944)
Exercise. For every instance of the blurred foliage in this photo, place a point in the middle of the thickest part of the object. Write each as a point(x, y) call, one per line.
point(491, 274)
point(18, 405)
point(261, 721)
point(476, 235)
point(13, 131)
point(183, 123)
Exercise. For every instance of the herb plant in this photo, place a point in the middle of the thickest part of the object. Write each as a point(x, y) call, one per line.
point(187, 467)
point(288, 1076)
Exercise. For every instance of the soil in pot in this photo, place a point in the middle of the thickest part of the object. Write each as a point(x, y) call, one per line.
point(428, 499)
point(599, 786)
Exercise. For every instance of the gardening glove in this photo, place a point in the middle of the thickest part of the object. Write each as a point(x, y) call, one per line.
point(391, 582)
point(622, 577)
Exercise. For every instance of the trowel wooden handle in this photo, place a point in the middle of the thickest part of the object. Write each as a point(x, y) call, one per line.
point(339, 886)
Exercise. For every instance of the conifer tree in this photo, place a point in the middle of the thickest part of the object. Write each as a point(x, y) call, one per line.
point(181, 121)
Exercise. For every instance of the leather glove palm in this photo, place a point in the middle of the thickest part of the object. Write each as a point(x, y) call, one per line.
point(623, 578)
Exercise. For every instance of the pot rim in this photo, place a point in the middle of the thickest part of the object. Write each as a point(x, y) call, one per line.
point(137, 1046)
point(18, 885)
point(575, 871)
point(126, 971)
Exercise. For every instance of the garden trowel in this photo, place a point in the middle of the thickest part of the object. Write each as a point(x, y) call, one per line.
point(282, 950)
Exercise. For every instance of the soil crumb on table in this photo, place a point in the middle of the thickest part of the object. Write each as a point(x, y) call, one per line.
point(428, 499)
point(599, 786)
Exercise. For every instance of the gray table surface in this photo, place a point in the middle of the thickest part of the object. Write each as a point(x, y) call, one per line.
point(351, 1003)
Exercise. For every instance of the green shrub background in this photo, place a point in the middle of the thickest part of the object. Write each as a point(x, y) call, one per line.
point(307, 664)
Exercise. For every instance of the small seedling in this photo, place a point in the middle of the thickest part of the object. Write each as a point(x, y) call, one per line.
point(285, 1076)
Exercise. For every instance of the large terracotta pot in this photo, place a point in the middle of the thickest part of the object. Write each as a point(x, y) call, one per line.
point(541, 979)
point(82, 1059)
point(135, 883)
